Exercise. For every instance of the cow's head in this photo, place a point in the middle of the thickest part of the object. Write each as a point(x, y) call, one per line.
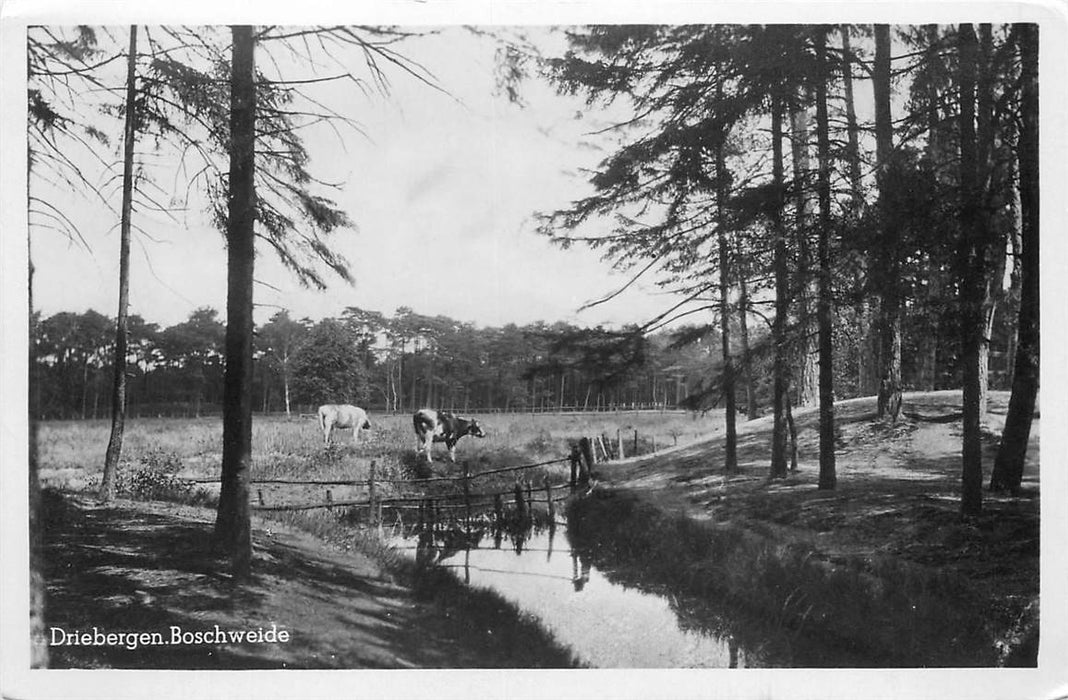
point(476, 430)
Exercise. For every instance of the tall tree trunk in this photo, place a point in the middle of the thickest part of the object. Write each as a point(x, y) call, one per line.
point(1009, 463)
point(1012, 310)
point(856, 186)
point(824, 311)
point(888, 265)
point(398, 388)
point(808, 373)
point(780, 379)
point(39, 654)
point(866, 338)
point(985, 181)
point(730, 456)
point(232, 526)
point(970, 261)
point(747, 358)
point(285, 381)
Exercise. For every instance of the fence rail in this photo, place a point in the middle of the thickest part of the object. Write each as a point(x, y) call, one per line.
point(436, 502)
point(367, 482)
point(586, 451)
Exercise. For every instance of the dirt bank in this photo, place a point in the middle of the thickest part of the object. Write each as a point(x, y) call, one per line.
point(883, 566)
point(147, 567)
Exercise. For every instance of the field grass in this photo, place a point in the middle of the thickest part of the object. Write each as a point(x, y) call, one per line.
point(160, 454)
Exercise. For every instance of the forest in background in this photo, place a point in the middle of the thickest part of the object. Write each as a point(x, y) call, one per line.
point(410, 360)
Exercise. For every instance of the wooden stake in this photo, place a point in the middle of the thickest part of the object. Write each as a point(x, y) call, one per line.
point(371, 493)
point(467, 493)
point(587, 457)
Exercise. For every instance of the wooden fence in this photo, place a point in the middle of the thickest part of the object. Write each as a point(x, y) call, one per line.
point(586, 452)
point(466, 498)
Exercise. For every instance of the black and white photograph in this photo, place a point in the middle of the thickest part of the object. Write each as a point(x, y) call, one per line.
point(582, 350)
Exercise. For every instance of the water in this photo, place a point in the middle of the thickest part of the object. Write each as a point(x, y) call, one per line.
point(606, 625)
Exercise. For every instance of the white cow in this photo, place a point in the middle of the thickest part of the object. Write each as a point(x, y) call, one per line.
point(343, 417)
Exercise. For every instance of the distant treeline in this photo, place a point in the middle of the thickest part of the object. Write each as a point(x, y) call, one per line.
point(393, 363)
point(407, 361)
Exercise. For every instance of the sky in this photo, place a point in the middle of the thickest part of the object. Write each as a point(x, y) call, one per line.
point(442, 187)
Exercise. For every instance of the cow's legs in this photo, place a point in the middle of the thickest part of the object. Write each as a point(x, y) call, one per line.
point(428, 443)
point(452, 452)
point(326, 434)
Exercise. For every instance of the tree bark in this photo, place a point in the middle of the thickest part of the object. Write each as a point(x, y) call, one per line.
point(118, 388)
point(731, 442)
point(780, 379)
point(805, 341)
point(39, 654)
point(824, 311)
point(285, 381)
point(1009, 463)
point(970, 261)
point(985, 145)
point(887, 265)
point(747, 358)
point(232, 525)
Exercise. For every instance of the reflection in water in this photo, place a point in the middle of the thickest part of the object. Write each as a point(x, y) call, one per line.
point(578, 580)
point(606, 624)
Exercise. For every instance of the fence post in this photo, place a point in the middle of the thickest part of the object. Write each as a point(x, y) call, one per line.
point(635, 442)
point(259, 492)
point(530, 494)
point(574, 457)
point(329, 501)
point(619, 439)
point(371, 494)
point(549, 500)
point(467, 493)
point(587, 458)
point(654, 443)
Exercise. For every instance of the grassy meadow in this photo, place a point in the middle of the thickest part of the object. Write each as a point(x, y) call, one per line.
point(160, 454)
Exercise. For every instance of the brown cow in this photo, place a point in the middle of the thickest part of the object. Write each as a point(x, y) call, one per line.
point(438, 426)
